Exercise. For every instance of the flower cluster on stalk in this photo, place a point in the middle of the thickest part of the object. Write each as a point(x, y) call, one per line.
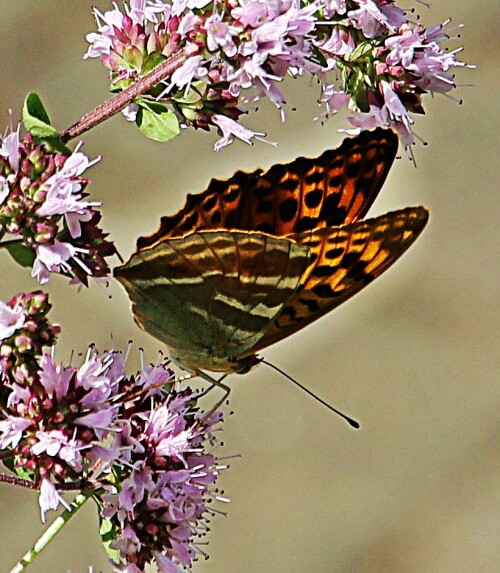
point(366, 54)
point(43, 207)
point(138, 445)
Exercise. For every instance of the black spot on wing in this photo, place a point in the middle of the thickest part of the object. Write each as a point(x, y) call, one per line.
point(311, 304)
point(288, 209)
point(313, 198)
point(306, 224)
point(210, 203)
point(324, 290)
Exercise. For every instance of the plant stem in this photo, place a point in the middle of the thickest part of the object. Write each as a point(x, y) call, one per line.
point(122, 99)
point(49, 534)
point(14, 480)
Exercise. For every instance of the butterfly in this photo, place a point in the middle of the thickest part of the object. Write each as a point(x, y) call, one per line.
point(257, 257)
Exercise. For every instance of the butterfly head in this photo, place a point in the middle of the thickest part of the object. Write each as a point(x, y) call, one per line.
point(208, 361)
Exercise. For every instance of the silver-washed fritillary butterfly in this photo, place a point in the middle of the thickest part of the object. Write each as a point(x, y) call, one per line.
point(255, 258)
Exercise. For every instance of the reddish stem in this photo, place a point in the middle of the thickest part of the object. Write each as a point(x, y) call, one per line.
point(13, 480)
point(122, 99)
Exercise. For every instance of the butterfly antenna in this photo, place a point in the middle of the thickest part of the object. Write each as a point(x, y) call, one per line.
point(349, 420)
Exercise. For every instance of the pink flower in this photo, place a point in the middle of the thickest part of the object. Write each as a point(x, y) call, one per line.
point(395, 16)
point(393, 103)
point(231, 129)
point(369, 18)
point(55, 379)
point(334, 100)
point(11, 319)
point(64, 194)
point(333, 7)
point(166, 565)
point(49, 498)
point(340, 42)
point(141, 11)
point(160, 505)
point(134, 488)
point(219, 34)
point(166, 432)
point(56, 443)
point(100, 420)
point(142, 450)
point(190, 70)
point(43, 206)
point(403, 47)
point(9, 148)
point(11, 431)
point(53, 259)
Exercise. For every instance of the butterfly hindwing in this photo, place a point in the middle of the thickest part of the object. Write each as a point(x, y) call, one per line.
point(210, 296)
point(344, 260)
point(337, 187)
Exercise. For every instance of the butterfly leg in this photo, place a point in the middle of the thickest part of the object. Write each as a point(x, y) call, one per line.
point(213, 383)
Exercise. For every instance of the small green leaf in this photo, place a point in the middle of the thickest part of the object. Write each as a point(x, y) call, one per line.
point(23, 473)
point(34, 107)
point(55, 144)
point(361, 51)
point(36, 119)
point(158, 124)
point(21, 254)
point(108, 533)
point(151, 62)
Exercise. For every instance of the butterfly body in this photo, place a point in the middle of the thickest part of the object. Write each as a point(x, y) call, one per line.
point(255, 258)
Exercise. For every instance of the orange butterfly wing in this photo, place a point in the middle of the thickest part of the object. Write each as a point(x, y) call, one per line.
point(344, 260)
point(337, 187)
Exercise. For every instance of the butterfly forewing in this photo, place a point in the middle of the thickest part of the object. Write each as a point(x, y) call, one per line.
point(211, 296)
point(337, 187)
point(343, 261)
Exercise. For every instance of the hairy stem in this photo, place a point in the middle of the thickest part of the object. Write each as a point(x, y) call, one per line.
point(122, 99)
point(14, 480)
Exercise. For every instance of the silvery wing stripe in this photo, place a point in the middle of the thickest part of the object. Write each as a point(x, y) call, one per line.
point(260, 309)
point(270, 269)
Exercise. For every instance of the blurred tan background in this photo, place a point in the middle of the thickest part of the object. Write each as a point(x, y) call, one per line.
point(414, 357)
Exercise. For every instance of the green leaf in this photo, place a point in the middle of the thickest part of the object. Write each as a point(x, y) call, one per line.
point(108, 533)
point(34, 107)
point(21, 254)
point(157, 123)
point(36, 119)
point(24, 473)
point(151, 62)
point(361, 51)
point(21, 471)
point(55, 144)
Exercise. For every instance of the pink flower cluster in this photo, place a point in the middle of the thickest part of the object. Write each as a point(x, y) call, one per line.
point(135, 442)
point(24, 332)
point(43, 206)
point(162, 504)
point(366, 55)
